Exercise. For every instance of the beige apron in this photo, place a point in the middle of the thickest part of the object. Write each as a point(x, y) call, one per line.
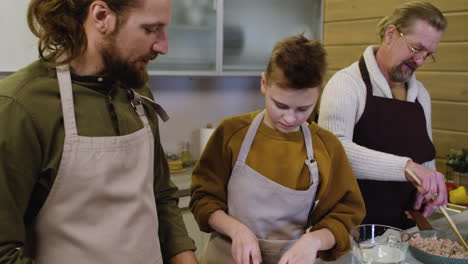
point(276, 214)
point(101, 208)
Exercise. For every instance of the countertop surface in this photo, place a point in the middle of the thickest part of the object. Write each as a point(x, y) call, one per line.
point(183, 179)
point(460, 219)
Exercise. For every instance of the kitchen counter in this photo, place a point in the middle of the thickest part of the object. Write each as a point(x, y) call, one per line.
point(182, 180)
point(460, 219)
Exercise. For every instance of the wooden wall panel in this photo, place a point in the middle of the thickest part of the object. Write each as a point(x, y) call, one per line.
point(351, 32)
point(457, 29)
point(450, 57)
point(337, 10)
point(445, 140)
point(342, 56)
point(365, 31)
point(440, 165)
point(450, 116)
point(446, 86)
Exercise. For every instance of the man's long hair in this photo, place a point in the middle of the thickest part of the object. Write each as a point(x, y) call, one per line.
point(59, 26)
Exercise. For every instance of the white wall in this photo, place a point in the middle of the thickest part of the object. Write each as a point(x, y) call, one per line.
point(18, 46)
point(258, 32)
point(193, 102)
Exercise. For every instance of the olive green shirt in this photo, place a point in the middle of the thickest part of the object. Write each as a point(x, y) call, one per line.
point(31, 145)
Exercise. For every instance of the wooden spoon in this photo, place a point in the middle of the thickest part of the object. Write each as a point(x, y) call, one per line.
point(442, 209)
point(420, 220)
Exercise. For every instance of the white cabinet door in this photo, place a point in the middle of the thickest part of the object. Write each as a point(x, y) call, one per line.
point(192, 39)
point(206, 37)
point(252, 27)
point(233, 37)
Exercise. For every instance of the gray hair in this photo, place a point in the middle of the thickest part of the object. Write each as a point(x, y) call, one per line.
point(404, 16)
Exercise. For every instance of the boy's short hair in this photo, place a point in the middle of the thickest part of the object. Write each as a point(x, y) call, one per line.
point(297, 62)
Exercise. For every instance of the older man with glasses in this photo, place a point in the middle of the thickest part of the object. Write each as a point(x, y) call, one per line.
point(382, 115)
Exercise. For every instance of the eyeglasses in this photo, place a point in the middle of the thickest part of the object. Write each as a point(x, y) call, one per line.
point(419, 53)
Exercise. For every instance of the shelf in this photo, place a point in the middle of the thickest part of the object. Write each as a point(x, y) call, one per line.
point(187, 27)
point(182, 64)
point(182, 180)
point(233, 67)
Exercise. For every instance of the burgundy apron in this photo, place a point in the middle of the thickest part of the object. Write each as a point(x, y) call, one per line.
point(395, 127)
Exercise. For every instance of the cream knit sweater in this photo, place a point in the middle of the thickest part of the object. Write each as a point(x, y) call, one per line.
point(342, 104)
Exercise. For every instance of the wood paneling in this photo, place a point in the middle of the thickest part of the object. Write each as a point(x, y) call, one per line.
point(440, 165)
point(365, 31)
point(450, 57)
point(337, 10)
point(445, 140)
point(450, 116)
point(351, 32)
point(342, 56)
point(446, 86)
point(456, 29)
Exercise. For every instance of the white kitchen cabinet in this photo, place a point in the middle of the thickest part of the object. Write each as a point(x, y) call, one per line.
point(192, 39)
point(232, 37)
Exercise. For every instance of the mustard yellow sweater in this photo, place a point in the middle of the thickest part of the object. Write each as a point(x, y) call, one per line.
point(280, 157)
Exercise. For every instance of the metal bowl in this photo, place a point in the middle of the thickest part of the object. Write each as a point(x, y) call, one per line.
point(427, 258)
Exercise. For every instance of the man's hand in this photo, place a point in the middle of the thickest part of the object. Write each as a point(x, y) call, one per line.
point(184, 257)
point(429, 206)
point(432, 190)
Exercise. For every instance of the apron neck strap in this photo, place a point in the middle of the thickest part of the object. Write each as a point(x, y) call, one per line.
point(156, 107)
point(249, 137)
point(66, 96)
point(308, 141)
point(365, 75)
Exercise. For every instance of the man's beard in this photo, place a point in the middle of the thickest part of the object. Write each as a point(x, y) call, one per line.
point(398, 75)
point(116, 68)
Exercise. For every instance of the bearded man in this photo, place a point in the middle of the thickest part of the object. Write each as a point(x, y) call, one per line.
point(83, 176)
